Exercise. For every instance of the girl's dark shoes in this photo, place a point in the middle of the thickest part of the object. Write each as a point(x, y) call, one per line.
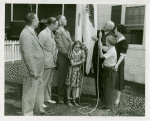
point(105, 108)
point(75, 103)
point(69, 103)
point(77, 100)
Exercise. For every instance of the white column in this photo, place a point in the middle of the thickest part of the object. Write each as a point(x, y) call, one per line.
point(62, 9)
point(37, 9)
point(11, 11)
point(123, 11)
point(78, 25)
point(144, 28)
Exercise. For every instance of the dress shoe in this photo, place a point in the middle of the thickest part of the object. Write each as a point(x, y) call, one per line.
point(44, 106)
point(75, 103)
point(105, 108)
point(61, 101)
point(116, 105)
point(77, 100)
point(51, 101)
point(44, 112)
point(102, 106)
point(69, 103)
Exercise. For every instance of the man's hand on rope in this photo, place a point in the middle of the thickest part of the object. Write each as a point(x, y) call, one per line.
point(105, 48)
point(100, 44)
point(94, 38)
point(100, 34)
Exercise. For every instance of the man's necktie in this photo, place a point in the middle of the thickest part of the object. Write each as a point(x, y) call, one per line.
point(52, 35)
point(35, 33)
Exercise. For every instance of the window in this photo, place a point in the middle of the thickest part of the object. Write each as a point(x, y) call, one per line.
point(135, 15)
point(49, 10)
point(134, 22)
point(20, 10)
point(116, 14)
point(7, 14)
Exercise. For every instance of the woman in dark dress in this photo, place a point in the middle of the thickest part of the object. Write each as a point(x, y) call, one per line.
point(121, 48)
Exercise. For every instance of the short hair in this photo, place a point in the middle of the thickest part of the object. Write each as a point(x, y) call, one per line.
point(76, 43)
point(29, 18)
point(121, 28)
point(59, 17)
point(112, 40)
point(112, 25)
point(51, 20)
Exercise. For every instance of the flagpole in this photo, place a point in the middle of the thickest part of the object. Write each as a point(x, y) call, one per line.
point(89, 112)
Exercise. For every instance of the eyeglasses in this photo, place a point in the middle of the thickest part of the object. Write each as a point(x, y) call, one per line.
point(77, 47)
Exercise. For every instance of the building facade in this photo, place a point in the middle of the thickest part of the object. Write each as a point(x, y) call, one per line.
point(133, 17)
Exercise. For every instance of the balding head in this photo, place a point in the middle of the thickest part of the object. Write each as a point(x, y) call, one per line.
point(109, 25)
point(32, 20)
point(62, 20)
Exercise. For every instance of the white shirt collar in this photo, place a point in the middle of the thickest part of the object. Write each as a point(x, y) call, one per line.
point(112, 48)
point(120, 39)
point(49, 30)
point(51, 33)
point(31, 28)
point(106, 32)
point(62, 28)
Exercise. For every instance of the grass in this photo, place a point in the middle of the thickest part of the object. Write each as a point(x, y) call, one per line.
point(132, 99)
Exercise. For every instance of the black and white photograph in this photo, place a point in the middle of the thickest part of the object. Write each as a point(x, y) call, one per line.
point(73, 59)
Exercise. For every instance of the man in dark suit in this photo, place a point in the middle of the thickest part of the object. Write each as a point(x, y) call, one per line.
point(107, 30)
point(63, 43)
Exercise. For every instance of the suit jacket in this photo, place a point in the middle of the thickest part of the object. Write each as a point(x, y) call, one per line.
point(63, 43)
point(32, 55)
point(103, 39)
point(49, 48)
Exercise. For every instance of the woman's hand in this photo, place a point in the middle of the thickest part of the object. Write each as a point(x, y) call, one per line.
point(100, 34)
point(84, 47)
point(83, 60)
point(116, 67)
point(36, 76)
point(94, 38)
point(104, 48)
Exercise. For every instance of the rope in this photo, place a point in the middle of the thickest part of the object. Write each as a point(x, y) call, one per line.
point(88, 105)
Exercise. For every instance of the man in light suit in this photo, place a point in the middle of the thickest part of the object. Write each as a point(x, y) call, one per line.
point(63, 43)
point(46, 37)
point(32, 57)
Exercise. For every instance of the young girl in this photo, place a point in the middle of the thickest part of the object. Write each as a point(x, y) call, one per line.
point(74, 77)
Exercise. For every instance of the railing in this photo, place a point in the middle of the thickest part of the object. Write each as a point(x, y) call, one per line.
point(11, 50)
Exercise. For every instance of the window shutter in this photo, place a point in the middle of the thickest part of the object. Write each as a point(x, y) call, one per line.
point(116, 14)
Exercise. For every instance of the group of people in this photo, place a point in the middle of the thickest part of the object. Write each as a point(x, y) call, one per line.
point(42, 53)
point(109, 64)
